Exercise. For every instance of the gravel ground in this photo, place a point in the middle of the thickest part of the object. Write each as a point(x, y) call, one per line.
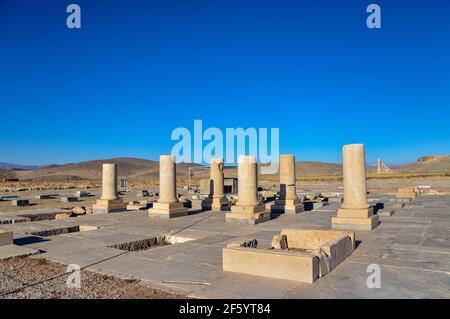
point(18, 272)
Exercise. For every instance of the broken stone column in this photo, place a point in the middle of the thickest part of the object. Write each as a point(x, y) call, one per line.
point(216, 199)
point(355, 213)
point(109, 202)
point(287, 202)
point(248, 209)
point(168, 205)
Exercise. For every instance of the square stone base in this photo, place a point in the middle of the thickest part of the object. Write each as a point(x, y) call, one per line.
point(248, 214)
point(217, 204)
point(293, 206)
point(355, 219)
point(105, 206)
point(167, 210)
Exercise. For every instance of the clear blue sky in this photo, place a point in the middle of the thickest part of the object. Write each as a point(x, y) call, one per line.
point(138, 69)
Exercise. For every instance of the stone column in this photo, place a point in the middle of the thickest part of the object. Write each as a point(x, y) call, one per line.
point(168, 205)
point(287, 202)
point(109, 188)
point(167, 179)
point(216, 178)
point(287, 177)
point(217, 199)
point(355, 213)
point(248, 209)
point(109, 202)
point(379, 166)
point(354, 170)
point(248, 181)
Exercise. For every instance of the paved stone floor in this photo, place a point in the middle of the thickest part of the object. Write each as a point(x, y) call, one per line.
point(412, 248)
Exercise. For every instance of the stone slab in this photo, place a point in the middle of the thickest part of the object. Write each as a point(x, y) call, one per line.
point(13, 251)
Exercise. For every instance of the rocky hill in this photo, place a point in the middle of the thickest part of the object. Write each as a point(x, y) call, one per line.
point(135, 168)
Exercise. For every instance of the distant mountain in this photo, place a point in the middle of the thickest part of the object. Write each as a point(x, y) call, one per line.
point(135, 168)
point(132, 168)
point(17, 166)
point(428, 164)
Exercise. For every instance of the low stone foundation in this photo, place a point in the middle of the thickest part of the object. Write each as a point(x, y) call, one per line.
point(296, 254)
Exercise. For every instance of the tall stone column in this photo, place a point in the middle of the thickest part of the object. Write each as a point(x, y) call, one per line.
point(248, 209)
point(109, 187)
point(168, 205)
point(355, 213)
point(287, 202)
point(109, 202)
point(217, 199)
point(167, 179)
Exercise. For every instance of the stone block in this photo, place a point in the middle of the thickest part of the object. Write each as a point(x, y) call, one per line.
point(105, 206)
point(335, 199)
point(287, 206)
point(297, 254)
point(6, 238)
point(280, 265)
point(385, 212)
point(20, 202)
point(216, 204)
point(407, 192)
point(361, 224)
point(137, 205)
point(44, 196)
point(69, 199)
point(248, 214)
point(82, 194)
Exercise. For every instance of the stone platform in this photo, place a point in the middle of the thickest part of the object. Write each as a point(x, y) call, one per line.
point(411, 247)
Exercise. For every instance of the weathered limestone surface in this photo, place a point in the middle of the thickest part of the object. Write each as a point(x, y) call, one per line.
point(297, 254)
point(109, 202)
point(355, 213)
point(168, 205)
point(248, 208)
point(287, 202)
point(6, 238)
point(216, 199)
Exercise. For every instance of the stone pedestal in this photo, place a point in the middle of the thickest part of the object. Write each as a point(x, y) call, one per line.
point(168, 205)
point(248, 209)
point(109, 202)
point(216, 199)
point(287, 202)
point(355, 213)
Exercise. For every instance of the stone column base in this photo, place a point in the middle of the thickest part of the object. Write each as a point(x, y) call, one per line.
point(105, 206)
point(248, 214)
point(214, 203)
point(355, 219)
point(167, 210)
point(287, 206)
